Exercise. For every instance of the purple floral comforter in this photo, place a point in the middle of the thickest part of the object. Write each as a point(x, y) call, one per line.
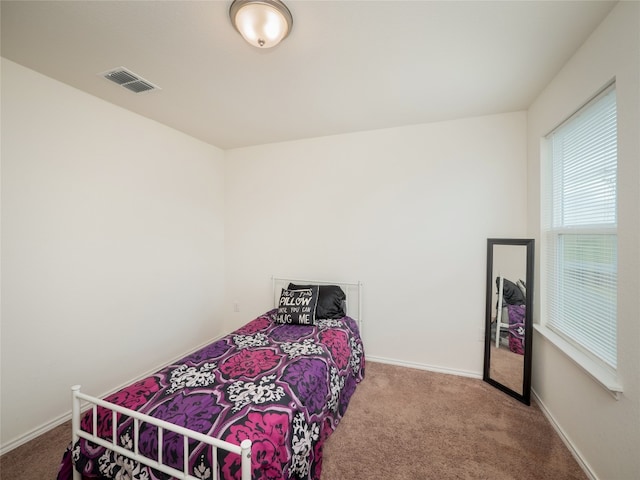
point(284, 387)
point(516, 328)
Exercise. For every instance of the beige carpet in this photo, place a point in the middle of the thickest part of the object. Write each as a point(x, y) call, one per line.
point(507, 367)
point(402, 424)
point(406, 424)
point(38, 459)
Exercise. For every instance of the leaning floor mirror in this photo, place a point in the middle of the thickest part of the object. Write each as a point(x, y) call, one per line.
point(509, 320)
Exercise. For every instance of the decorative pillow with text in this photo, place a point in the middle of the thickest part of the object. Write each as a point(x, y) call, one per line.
point(298, 307)
point(331, 300)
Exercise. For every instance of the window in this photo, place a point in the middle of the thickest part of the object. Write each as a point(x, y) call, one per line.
point(580, 229)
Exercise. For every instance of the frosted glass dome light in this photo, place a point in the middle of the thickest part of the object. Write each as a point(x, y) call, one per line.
point(262, 23)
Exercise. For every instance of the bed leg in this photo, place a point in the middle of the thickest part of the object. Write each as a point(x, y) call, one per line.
point(75, 425)
point(245, 457)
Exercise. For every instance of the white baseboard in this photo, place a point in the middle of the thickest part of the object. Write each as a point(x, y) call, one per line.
point(50, 425)
point(36, 432)
point(422, 366)
point(572, 448)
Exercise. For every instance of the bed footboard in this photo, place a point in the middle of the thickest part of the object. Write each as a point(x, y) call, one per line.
point(244, 450)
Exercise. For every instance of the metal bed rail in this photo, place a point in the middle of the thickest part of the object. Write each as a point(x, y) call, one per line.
point(244, 450)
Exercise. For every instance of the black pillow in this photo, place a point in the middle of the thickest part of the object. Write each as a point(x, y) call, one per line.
point(511, 294)
point(331, 302)
point(298, 307)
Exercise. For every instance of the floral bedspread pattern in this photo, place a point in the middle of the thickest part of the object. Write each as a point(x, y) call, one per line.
point(516, 328)
point(284, 387)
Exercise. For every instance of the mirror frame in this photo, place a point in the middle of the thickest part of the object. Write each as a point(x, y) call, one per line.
point(529, 243)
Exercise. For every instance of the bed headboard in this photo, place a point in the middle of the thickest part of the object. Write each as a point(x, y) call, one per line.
point(353, 291)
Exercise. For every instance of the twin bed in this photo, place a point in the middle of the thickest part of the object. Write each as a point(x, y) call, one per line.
point(510, 313)
point(256, 404)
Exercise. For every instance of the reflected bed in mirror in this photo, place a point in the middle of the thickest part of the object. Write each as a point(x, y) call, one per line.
point(508, 319)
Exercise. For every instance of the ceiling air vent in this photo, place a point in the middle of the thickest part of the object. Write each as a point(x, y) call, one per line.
point(129, 80)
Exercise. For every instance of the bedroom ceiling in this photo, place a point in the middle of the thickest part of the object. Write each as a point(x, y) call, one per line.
point(347, 66)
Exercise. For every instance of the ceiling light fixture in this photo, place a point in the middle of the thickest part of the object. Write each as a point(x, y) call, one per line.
point(262, 23)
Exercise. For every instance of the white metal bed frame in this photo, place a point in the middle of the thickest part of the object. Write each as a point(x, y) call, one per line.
point(499, 323)
point(354, 310)
point(244, 450)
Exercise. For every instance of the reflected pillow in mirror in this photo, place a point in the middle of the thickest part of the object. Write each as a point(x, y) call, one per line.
point(511, 293)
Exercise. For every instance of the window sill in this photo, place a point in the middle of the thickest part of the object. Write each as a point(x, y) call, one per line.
point(600, 374)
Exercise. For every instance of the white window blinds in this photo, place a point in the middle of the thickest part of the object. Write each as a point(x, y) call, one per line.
point(581, 229)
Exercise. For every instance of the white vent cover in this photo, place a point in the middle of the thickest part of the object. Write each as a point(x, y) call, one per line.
point(129, 80)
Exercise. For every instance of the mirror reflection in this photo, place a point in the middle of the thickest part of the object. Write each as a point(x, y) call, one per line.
point(508, 316)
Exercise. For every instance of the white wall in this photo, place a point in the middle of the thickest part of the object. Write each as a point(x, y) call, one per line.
point(112, 246)
point(603, 431)
point(407, 211)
